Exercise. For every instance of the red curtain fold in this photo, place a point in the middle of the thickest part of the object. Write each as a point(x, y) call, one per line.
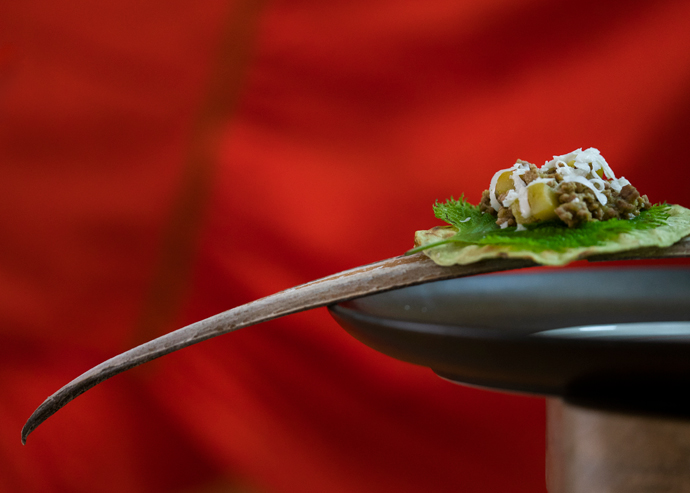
point(164, 162)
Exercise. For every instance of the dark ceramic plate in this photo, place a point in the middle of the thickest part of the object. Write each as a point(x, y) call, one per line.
point(616, 338)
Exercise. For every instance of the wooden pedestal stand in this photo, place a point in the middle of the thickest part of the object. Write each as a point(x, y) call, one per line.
point(593, 451)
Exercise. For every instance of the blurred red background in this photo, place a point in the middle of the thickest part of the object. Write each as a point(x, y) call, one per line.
point(164, 161)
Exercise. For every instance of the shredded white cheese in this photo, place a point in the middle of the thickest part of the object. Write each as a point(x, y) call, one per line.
point(579, 179)
point(523, 167)
point(588, 160)
point(511, 197)
point(583, 167)
point(521, 189)
point(619, 183)
point(587, 167)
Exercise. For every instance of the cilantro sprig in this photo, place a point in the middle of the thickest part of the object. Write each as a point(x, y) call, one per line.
point(476, 228)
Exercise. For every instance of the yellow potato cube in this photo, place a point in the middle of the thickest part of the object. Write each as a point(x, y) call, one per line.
point(543, 202)
point(515, 208)
point(504, 183)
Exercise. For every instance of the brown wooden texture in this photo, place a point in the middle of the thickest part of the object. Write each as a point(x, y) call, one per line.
point(591, 451)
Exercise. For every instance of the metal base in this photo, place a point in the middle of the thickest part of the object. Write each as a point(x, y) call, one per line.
point(593, 451)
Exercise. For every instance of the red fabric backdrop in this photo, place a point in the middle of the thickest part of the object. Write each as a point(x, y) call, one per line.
point(164, 161)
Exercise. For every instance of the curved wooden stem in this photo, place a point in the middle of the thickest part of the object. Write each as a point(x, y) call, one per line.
point(381, 276)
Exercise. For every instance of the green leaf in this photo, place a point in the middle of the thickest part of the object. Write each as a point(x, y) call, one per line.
point(476, 228)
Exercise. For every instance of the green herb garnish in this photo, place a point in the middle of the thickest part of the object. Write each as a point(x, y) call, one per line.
point(476, 228)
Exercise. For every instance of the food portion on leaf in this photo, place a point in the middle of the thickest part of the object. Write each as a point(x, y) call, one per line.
point(574, 188)
point(570, 208)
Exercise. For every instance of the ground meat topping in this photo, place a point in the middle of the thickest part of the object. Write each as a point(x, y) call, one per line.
point(574, 213)
point(505, 216)
point(485, 203)
point(583, 189)
point(530, 175)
